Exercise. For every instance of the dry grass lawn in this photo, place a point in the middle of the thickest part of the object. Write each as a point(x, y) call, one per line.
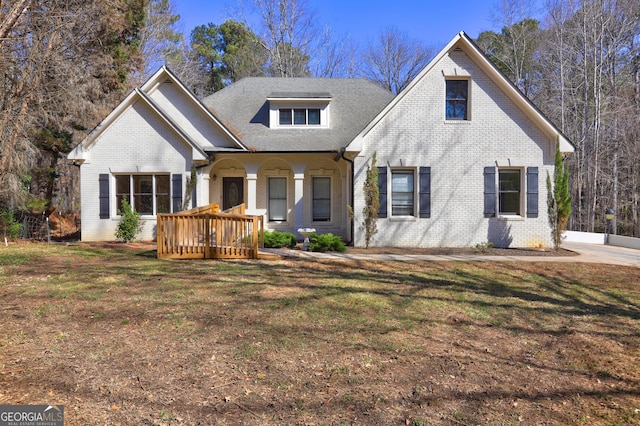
point(121, 338)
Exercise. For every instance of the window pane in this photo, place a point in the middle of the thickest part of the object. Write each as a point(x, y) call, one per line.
point(509, 192)
point(300, 116)
point(123, 190)
point(143, 194)
point(163, 204)
point(285, 117)
point(314, 116)
point(402, 181)
point(277, 199)
point(457, 92)
point(509, 180)
point(509, 203)
point(321, 199)
point(402, 193)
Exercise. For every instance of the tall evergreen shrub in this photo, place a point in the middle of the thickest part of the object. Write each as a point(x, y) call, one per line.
point(371, 202)
point(558, 199)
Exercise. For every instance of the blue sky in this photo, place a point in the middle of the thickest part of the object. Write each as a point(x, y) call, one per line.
point(430, 21)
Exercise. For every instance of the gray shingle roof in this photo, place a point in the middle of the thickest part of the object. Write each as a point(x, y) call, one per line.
point(244, 105)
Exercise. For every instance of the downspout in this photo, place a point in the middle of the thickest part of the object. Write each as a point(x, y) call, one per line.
point(351, 223)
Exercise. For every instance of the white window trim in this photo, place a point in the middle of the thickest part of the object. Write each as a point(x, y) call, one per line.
point(274, 114)
point(390, 193)
point(154, 193)
point(469, 81)
point(522, 199)
point(286, 200)
point(331, 215)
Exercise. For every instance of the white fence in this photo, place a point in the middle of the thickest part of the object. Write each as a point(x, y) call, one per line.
point(593, 238)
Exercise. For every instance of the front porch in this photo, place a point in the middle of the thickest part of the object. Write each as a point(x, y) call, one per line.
point(290, 191)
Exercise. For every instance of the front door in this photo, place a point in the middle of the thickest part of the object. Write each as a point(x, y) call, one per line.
point(232, 192)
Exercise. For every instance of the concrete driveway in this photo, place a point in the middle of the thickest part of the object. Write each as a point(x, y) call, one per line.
point(599, 253)
point(589, 253)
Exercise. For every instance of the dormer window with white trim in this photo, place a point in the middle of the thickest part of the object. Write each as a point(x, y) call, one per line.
point(299, 116)
point(299, 110)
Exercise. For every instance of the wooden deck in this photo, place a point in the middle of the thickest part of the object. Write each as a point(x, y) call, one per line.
point(207, 233)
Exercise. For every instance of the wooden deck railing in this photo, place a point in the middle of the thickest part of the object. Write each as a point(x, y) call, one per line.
point(196, 235)
point(209, 208)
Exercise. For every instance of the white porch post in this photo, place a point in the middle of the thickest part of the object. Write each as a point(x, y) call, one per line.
point(298, 179)
point(250, 199)
point(202, 190)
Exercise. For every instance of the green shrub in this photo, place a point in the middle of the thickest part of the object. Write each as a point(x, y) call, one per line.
point(483, 247)
point(275, 239)
point(130, 224)
point(10, 227)
point(326, 242)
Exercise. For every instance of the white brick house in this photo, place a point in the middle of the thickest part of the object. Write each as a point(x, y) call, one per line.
point(463, 156)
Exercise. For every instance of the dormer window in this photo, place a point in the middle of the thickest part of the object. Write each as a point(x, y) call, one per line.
point(299, 116)
point(299, 110)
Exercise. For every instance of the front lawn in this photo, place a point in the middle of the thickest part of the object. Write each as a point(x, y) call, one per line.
point(119, 337)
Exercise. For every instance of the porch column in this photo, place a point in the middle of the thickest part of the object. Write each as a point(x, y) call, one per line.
point(298, 179)
point(250, 199)
point(202, 190)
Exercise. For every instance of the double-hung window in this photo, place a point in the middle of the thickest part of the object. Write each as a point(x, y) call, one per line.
point(402, 193)
point(321, 199)
point(277, 193)
point(457, 99)
point(509, 192)
point(147, 194)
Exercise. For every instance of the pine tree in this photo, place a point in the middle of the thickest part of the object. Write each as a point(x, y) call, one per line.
point(371, 202)
point(558, 199)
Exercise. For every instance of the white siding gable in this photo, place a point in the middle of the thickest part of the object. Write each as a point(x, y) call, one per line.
point(190, 117)
point(414, 133)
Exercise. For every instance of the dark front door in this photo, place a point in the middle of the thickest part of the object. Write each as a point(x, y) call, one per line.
point(232, 192)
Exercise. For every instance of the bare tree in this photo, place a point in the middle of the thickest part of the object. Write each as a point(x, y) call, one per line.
point(334, 57)
point(588, 82)
point(62, 62)
point(287, 31)
point(161, 43)
point(394, 60)
point(586, 77)
point(514, 49)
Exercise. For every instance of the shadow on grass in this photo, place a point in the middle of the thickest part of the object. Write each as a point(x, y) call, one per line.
point(299, 303)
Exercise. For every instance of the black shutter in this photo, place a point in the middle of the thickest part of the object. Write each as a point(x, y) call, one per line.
point(103, 180)
point(425, 191)
point(176, 190)
point(382, 191)
point(489, 192)
point(532, 192)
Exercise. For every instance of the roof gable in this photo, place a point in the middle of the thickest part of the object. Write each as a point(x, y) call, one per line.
point(176, 104)
point(189, 133)
point(463, 42)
